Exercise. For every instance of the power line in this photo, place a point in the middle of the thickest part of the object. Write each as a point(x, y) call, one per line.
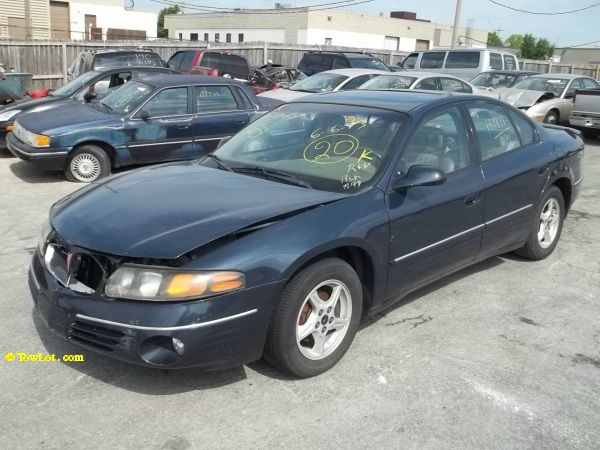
point(223, 9)
point(544, 13)
point(226, 13)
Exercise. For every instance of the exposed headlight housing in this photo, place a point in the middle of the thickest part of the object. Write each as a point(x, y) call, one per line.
point(7, 115)
point(44, 233)
point(164, 284)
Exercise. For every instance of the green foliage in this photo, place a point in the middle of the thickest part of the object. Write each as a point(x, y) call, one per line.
point(161, 32)
point(530, 47)
point(494, 39)
point(514, 41)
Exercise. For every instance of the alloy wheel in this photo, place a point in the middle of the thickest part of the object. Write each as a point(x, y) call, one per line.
point(323, 319)
point(549, 222)
point(85, 167)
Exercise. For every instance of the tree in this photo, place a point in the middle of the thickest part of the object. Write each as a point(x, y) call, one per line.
point(533, 48)
point(494, 39)
point(161, 32)
point(514, 41)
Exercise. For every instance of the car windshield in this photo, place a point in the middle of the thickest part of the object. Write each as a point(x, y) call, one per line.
point(544, 84)
point(389, 82)
point(321, 82)
point(321, 145)
point(494, 80)
point(117, 59)
point(74, 85)
point(128, 97)
point(368, 63)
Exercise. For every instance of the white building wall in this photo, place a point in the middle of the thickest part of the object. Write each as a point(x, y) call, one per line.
point(108, 16)
point(250, 34)
point(407, 44)
point(317, 36)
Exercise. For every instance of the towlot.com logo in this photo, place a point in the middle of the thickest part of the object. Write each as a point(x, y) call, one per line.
point(39, 357)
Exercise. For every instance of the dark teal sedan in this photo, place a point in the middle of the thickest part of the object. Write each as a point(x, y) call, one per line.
point(153, 119)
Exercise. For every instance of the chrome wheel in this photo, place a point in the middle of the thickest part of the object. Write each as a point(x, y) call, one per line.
point(549, 222)
point(85, 167)
point(324, 319)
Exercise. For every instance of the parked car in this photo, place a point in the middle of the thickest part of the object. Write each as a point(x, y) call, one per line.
point(153, 119)
point(321, 61)
point(211, 62)
point(323, 210)
point(425, 81)
point(106, 58)
point(91, 85)
point(272, 76)
point(500, 79)
point(329, 81)
point(586, 112)
point(547, 98)
point(464, 63)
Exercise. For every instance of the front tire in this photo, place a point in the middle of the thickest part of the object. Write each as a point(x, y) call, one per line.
point(316, 318)
point(546, 230)
point(87, 164)
point(551, 118)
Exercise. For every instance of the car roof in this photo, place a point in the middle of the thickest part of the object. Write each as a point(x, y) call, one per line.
point(396, 100)
point(511, 72)
point(165, 80)
point(119, 50)
point(417, 74)
point(566, 76)
point(347, 54)
point(356, 72)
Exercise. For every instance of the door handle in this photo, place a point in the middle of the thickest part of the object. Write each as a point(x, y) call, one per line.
point(472, 200)
point(183, 125)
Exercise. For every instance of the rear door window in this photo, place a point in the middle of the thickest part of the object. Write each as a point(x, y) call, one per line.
point(314, 63)
point(432, 60)
point(495, 61)
point(510, 62)
point(463, 60)
point(524, 128)
point(453, 85)
point(339, 62)
point(214, 99)
point(233, 65)
point(493, 128)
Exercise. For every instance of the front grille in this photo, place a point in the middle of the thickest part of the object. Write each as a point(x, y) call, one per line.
point(99, 338)
point(56, 262)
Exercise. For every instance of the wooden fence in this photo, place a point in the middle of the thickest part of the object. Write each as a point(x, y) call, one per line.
point(48, 60)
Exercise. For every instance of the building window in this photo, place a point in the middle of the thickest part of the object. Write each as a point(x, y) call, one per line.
point(241, 37)
point(328, 41)
point(193, 36)
point(205, 37)
point(181, 36)
point(228, 37)
point(217, 37)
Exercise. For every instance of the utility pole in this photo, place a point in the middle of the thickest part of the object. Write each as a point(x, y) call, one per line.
point(28, 30)
point(456, 23)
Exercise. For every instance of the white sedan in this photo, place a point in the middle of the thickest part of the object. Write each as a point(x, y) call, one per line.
point(328, 81)
point(427, 81)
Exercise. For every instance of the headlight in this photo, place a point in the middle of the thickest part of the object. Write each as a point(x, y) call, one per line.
point(7, 115)
point(160, 284)
point(44, 233)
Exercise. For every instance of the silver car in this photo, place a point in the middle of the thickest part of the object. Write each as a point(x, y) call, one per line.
point(427, 81)
point(548, 97)
point(328, 81)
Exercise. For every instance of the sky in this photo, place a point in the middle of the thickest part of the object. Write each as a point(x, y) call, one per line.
point(561, 30)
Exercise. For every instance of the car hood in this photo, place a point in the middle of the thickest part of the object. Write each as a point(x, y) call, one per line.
point(521, 97)
point(27, 104)
point(285, 95)
point(166, 211)
point(64, 114)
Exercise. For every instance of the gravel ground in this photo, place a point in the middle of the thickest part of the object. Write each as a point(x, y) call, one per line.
point(505, 354)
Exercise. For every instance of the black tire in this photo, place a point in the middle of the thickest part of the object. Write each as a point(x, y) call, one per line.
point(92, 156)
point(551, 118)
point(533, 249)
point(282, 349)
point(590, 133)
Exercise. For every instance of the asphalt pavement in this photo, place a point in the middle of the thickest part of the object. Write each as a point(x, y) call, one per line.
point(505, 354)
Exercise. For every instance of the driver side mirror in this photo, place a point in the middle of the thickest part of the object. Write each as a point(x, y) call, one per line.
point(569, 95)
point(90, 95)
point(144, 114)
point(419, 176)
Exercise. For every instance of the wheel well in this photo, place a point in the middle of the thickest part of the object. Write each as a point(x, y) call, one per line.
point(109, 149)
point(565, 187)
point(555, 111)
point(360, 261)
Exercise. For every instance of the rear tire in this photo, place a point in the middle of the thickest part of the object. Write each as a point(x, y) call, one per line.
point(547, 226)
point(315, 319)
point(88, 164)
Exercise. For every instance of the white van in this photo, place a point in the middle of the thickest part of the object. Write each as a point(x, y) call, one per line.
point(464, 63)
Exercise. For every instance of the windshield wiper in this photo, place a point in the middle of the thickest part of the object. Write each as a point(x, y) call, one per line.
point(273, 174)
point(220, 164)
